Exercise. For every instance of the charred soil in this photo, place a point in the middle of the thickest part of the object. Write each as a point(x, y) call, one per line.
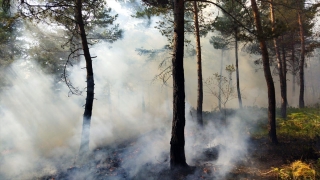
point(259, 162)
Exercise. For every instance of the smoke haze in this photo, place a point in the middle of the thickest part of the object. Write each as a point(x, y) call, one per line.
point(41, 125)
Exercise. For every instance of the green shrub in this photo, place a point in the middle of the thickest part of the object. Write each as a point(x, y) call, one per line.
point(296, 170)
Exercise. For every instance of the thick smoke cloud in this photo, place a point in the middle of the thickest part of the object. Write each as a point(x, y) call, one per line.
point(41, 125)
point(35, 121)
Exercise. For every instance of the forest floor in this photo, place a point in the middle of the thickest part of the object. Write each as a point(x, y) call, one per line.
point(258, 164)
point(265, 160)
point(299, 142)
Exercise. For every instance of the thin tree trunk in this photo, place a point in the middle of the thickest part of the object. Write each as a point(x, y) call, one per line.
point(85, 136)
point(301, 65)
point(280, 65)
point(177, 154)
point(284, 100)
point(293, 68)
point(237, 68)
point(199, 66)
point(293, 85)
point(220, 80)
point(267, 74)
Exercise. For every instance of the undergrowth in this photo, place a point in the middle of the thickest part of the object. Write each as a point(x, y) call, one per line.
point(296, 170)
point(300, 123)
point(300, 132)
point(296, 157)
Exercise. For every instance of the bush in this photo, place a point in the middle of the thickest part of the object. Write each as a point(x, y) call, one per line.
point(296, 170)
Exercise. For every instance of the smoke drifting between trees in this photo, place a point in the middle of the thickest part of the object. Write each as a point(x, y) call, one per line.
point(124, 95)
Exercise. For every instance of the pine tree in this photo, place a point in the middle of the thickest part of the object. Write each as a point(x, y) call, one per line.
point(79, 18)
point(231, 29)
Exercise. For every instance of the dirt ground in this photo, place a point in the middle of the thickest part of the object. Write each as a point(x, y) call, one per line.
point(256, 165)
point(263, 156)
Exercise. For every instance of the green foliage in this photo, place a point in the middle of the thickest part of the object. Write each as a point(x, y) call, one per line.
point(300, 123)
point(60, 45)
point(10, 45)
point(10, 42)
point(230, 69)
point(219, 42)
point(100, 26)
point(5, 4)
point(228, 26)
point(165, 25)
point(98, 22)
point(46, 49)
point(148, 12)
point(296, 171)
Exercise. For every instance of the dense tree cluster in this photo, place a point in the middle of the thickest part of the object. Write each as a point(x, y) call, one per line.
point(253, 23)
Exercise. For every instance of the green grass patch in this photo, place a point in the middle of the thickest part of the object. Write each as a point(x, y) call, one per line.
point(300, 123)
point(296, 170)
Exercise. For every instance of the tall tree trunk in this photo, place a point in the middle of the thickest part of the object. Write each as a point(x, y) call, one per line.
point(280, 65)
point(284, 99)
point(267, 74)
point(85, 136)
point(220, 80)
point(293, 67)
point(237, 68)
point(293, 85)
point(301, 65)
point(199, 66)
point(177, 154)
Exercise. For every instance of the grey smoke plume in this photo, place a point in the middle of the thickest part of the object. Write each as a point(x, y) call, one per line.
point(35, 120)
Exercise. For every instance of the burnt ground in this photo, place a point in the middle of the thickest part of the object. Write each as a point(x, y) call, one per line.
point(109, 162)
point(106, 162)
point(263, 156)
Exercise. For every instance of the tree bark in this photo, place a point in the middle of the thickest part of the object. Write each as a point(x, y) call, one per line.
point(301, 65)
point(293, 85)
point(267, 74)
point(85, 136)
point(284, 99)
point(177, 153)
point(280, 65)
point(293, 67)
point(237, 68)
point(199, 66)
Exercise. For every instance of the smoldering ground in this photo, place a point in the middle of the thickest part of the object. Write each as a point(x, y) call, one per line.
point(41, 125)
